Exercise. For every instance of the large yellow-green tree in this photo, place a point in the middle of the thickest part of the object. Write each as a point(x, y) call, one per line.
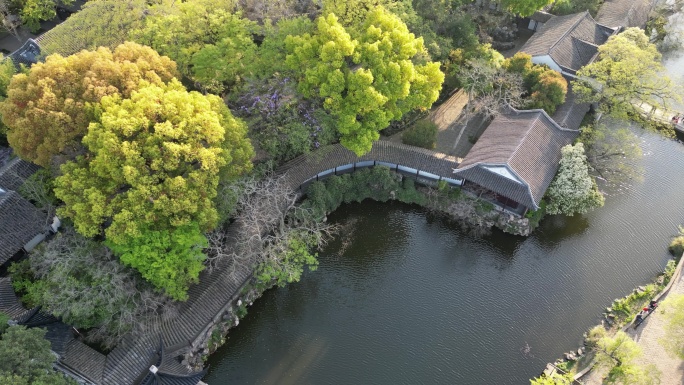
point(48, 109)
point(366, 76)
point(627, 74)
point(154, 160)
point(150, 178)
point(212, 45)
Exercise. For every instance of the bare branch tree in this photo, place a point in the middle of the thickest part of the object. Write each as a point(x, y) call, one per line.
point(490, 91)
point(86, 285)
point(268, 219)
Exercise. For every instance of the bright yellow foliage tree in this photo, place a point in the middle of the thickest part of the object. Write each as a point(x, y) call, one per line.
point(48, 109)
point(366, 79)
point(154, 163)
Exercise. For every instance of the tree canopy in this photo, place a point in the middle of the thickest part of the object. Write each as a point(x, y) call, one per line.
point(48, 109)
point(154, 162)
point(211, 45)
point(573, 190)
point(150, 178)
point(544, 87)
point(365, 80)
point(31, 12)
point(25, 358)
point(627, 74)
point(169, 258)
point(524, 7)
point(620, 353)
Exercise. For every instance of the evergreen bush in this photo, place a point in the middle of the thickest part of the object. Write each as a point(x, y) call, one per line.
point(422, 134)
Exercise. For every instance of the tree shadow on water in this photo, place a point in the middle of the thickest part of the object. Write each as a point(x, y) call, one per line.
point(555, 229)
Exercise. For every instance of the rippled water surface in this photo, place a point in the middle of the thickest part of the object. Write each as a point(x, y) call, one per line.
point(413, 299)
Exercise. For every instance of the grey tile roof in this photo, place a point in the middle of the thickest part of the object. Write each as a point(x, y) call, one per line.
point(28, 54)
point(624, 13)
point(20, 221)
point(14, 171)
point(128, 363)
point(571, 113)
point(9, 303)
point(541, 16)
point(85, 360)
point(570, 40)
point(524, 144)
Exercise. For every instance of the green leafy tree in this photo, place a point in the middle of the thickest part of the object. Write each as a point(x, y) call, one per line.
point(25, 358)
point(567, 7)
point(544, 87)
point(351, 12)
point(573, 190)
point(34, 11)
point(672, 309)
point(290, 264)
point(154, 163)
point(554, 379)
point(524, 7)
point(170, 259)
point(272, 51)
point(627, 75)
point(48, 109)
point(422, 134)
point(366, 80)
point(211, 45)
point(620, 353)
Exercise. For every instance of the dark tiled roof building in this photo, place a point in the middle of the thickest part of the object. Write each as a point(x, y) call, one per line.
point(571, 113)
point(20, 221)
point(567, 43)
point(517, 157)
point(624, 13)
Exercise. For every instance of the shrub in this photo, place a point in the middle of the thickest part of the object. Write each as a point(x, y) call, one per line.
point(422, 134)
point(677, 245)
point(377, 183)
point(535, 216)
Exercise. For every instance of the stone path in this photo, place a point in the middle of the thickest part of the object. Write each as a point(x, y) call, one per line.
point(648, 336)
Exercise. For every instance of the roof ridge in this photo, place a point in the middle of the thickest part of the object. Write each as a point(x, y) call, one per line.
point(584, 41)
point(541, 110)
point(572, 28)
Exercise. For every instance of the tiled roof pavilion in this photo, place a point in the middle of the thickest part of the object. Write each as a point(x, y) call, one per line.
point(517, 156)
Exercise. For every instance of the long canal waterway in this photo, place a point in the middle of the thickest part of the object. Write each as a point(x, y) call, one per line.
point(406, 297)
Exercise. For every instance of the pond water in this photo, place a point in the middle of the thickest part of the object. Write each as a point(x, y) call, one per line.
point(407, 297)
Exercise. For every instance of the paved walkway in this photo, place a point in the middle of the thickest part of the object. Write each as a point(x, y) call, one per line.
point(648, 336)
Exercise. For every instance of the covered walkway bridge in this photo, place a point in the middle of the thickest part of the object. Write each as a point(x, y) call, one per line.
point(426, 166)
